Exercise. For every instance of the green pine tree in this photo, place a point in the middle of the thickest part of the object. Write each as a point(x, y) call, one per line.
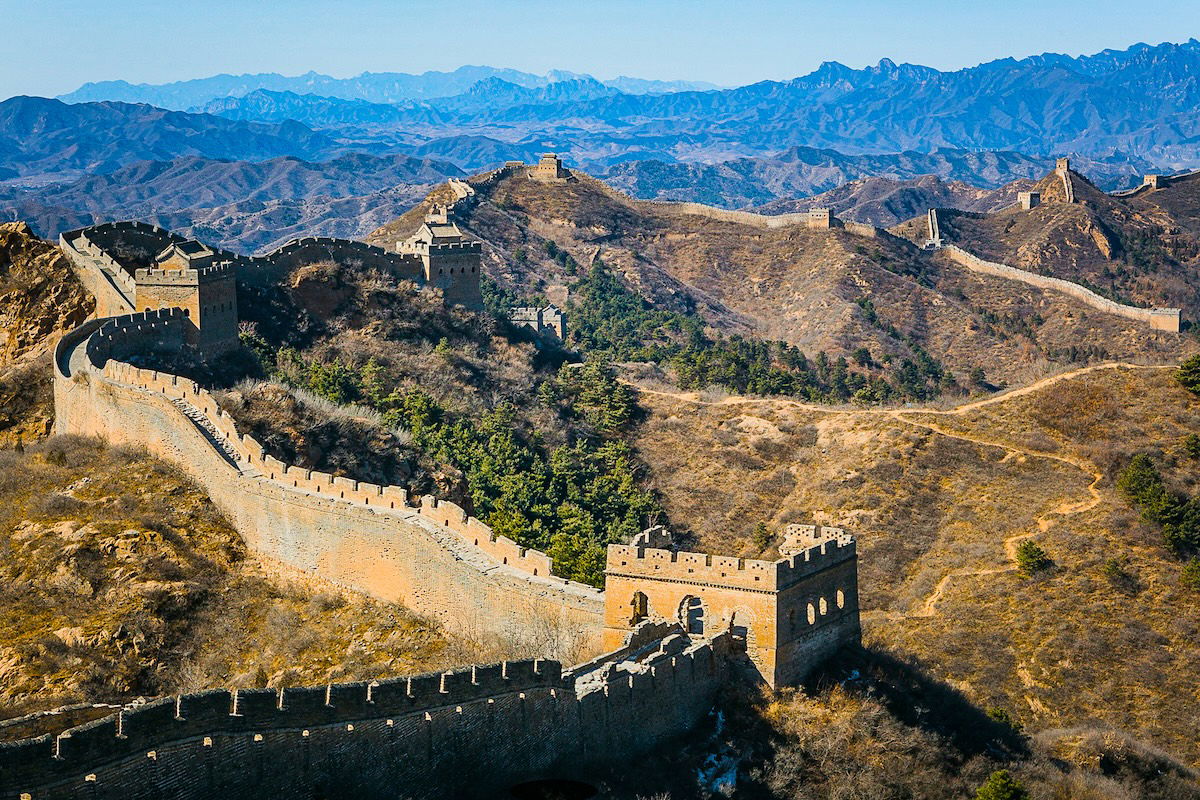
point(1188, 374)
point(1000, 785)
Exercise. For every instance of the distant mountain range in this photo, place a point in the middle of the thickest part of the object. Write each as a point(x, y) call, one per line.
point(1138, 103)
point(375, 87)
point(804, 171)
point(236, 203)
point(40, 136)
point(286, 141)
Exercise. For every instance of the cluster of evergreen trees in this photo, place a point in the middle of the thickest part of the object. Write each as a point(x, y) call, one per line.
point(610, 321)
point(570, 501)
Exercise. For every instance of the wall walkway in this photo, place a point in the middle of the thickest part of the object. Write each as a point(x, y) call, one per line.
point(464, 734)
point(1160, 319)
point(369, 538)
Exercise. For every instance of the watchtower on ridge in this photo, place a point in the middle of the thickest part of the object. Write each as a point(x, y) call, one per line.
point(450, 259)
point(186, 275)
point(792, 613)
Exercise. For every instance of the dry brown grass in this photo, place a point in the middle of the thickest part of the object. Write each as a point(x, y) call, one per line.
point(119, 578)
point(939, 501)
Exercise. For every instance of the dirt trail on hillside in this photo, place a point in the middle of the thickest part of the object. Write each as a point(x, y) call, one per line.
point(1045, 522)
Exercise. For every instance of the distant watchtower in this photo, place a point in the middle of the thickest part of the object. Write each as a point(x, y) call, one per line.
point(185, 275)
point(793, 613)
point(820, 218)
point(548, 170)
point(1029, 200)
point(450, 259)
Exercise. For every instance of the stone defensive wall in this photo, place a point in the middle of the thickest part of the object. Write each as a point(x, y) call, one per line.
point(794, 612)
point(1159, 319)
point(362, 536)
point(90, 251)
point(469, 733)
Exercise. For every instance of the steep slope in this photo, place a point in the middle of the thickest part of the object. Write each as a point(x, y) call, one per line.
point(940, 502)
point(40, 298)
point(830, 291)
point(121, 579)
point(1121, 247)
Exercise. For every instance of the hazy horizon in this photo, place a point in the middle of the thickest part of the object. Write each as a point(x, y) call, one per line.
point(142, 42)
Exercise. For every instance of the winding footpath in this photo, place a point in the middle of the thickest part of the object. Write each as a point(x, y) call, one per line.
point(1045, 522)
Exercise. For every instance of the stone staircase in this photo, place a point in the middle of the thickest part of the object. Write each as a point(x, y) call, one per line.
point(214, 437)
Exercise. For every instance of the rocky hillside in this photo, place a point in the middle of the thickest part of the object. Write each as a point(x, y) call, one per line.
point(1141, 249)
point(120, 579)
point(40, 298)
point(886, 201)
point(831, 292)
point(786, 181)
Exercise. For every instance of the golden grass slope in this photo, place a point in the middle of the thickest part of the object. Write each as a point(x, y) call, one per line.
point(940, 499)
point(119, 579)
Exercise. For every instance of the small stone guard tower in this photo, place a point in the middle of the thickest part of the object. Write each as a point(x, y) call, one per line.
point(793, 612)
point(450, 259)
point(185, 275)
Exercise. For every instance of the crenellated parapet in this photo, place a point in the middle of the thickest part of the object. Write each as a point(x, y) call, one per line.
point(792, 612)
point(372, 538)
point(471, 732)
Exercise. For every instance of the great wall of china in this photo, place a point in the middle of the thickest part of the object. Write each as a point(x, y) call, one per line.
point(668, 629)
point(1159, 319)
point(664, 634)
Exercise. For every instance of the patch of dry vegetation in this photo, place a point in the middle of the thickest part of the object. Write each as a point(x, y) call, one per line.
point(940, 502)
point(39, 298)
point(118, 578)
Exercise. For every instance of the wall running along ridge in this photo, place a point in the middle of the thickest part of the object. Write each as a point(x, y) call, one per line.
point(467, 733)
point(1159, 319)
point(366, 537)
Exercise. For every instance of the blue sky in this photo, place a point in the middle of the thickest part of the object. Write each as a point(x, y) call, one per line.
point(52, 46)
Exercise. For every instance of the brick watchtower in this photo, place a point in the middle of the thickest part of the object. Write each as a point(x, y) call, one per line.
point(450, 259)
point(793, 612)
point(186, 276)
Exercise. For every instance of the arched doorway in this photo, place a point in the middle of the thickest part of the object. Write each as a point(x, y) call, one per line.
point(739, 624)
point(691, 615)
point(640, 606)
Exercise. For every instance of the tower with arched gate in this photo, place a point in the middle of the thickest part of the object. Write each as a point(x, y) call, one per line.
point(793, 613)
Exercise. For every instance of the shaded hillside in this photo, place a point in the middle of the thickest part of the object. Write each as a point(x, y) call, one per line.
point(830, 292)
point(238, 204)
point(886, 202)
point(941, 503)
point(40, 298)
point(1131, 249)
point(785, 181)
point(40, 136)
